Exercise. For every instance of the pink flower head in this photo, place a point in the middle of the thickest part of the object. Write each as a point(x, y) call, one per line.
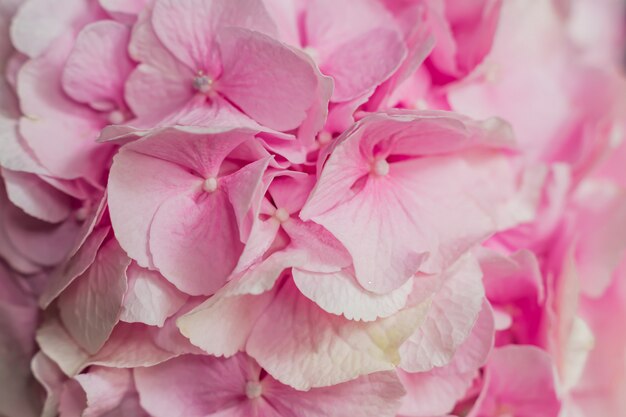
point(386, 174)
point(199, 386)
point(356, 42)
point(207, 60)
point(182, 202)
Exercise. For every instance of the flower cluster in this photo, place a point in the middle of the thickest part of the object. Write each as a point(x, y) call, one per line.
point(312, 208)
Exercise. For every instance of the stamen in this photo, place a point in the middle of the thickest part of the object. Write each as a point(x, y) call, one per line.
point(210, 184)
point(203, 83)
point(253, 389)
point(116, 117)
point(281, 215)
point(380, 167)
point(324, 137)
point(82, 213)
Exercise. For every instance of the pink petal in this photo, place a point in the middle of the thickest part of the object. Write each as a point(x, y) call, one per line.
point(150, 299)
point(328, 23)
point(101, 389)
point(48, 374)
point(36, 197)
point(90, 307)
point(135, 195)
point(187, 28)
point(66, 273)
point(375, 395)
point(277, 96)
point(196, 386)
point(244, 188)
point(209, 326)
point(48, 109)
point(129, 346)
point(189, 238)
point(321, 250)
point(98, 66)
point(311, 348)
point(153, 95)
point(40, 242)
point(339, 293)
point(14, 153)
point(356, 72)
point(208, 230)
point(454, 310)
point(417, 195)
point(50, 20)
point(522, 379)
point(125, 11)
point(437, 391)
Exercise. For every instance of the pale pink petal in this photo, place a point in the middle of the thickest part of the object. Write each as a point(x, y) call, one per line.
point(375, 395)
point(340, 350)
point(245, 188)
point(339, 293)
point(356, 69)
point(417, 193)
point(40, 242)
point(150, 299)
point(38, 23)
point(277, 96)
point(47, 108)
point(187, 28)
point(90, 307)
point(36, 197)
point(522, 381)
point(14, 152)
point(322, 251)
point(153, 95)
point(600, 221)
point(195, 242)
point(66, 273)
point(261, 238)
point(194, 386)
point(199, 224)
point(135, 195)
point(437, 391)
point(99, 65)
point(129, 346)
point(51, 378)
point(125, 11)
point(101, 389)
point(454, 310)
point(508, 278)
point(328, 23)
point(209, 326)
point(58, 345)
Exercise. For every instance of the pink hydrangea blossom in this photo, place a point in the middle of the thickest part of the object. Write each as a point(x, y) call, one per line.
point(312, 208)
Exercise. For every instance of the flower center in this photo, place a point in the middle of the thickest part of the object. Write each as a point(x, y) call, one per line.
point(116, 117)
point(210, 184)
point(324, 137)
point(253, 389)
point(380, 167)
point(281, 215)
point(203, 84)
